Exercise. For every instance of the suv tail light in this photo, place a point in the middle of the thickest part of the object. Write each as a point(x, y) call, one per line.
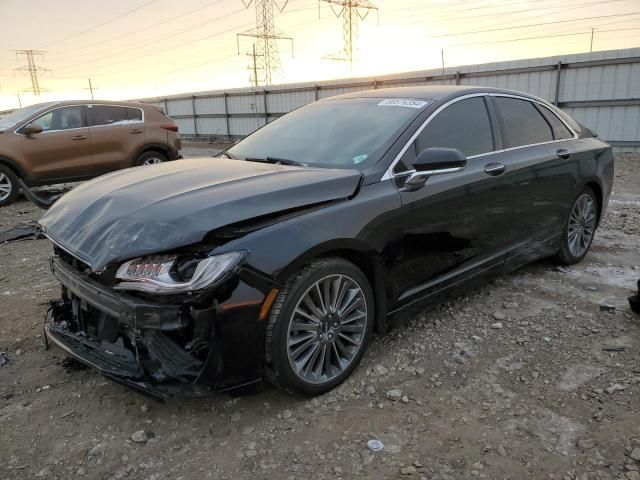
point(172, 127)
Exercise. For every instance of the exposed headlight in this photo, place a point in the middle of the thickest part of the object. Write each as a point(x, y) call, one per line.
point(157, 274)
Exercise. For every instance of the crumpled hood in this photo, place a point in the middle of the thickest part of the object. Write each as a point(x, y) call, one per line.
point(145, 210)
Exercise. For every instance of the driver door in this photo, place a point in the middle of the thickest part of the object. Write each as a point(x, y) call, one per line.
point(457, 225)
point(63, 150)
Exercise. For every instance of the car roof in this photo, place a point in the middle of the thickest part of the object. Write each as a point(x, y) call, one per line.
point(62, 103)
point(431, 92)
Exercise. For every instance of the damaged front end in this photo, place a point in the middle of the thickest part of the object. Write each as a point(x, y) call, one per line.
point(160, 345)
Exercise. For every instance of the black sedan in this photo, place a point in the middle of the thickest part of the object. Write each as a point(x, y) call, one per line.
point(279, 259)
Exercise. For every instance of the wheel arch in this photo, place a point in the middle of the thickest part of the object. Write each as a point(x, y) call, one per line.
point(370, 263)
point(15, 167)
point(597, 189)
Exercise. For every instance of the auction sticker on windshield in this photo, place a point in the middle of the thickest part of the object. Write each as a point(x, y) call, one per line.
point(402, 102)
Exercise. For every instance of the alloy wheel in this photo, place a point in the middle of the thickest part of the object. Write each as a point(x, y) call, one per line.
point(327, 328)
point(582, 224)
point(5, 187)
point(152, 161)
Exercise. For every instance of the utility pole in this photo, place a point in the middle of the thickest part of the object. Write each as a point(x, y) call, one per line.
point(352, 13)
point(32, 68)
point(253, 79)
point(592, 32)
point(91, 89)
point(266, 56)
point(19, 100)
point(442, 55)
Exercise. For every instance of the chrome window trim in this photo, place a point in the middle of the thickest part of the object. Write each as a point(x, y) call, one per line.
point(389, 172)
point(88, 105)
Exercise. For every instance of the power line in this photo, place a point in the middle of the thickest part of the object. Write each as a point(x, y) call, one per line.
point(128, 34)
point(472, 32)
point(511, 12)
point(32, 68)
point(113, 19)
point(266, 56)
point(539, 37)
point(164, 37)
point(352, 13)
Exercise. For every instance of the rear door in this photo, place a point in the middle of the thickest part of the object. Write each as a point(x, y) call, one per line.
point(535, 141)
point(457, 225)
point(117, 133)
point(63, 150)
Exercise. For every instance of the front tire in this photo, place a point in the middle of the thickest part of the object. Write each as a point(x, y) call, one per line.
point(319, 327)
point(9, 187)
point(579, 228)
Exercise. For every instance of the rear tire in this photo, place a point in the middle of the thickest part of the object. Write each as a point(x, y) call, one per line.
point(9, 187)
point(316, 349)
point(579, 228)
point(151, 158)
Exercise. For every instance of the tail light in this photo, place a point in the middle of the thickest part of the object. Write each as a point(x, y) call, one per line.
point(172, 127)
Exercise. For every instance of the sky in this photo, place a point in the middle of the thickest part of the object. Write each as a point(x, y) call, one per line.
point(153, 48)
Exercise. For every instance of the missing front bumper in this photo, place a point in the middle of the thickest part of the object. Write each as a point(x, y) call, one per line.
point(156, 349)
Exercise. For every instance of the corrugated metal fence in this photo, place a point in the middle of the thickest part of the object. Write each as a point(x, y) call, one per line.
point(600, 89)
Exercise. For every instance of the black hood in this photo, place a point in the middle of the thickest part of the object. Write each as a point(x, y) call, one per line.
point(145, 210)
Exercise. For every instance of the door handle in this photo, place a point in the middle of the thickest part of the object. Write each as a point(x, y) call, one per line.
point(564, 154)
point(79, 137)
point(137, 130)
point(494, 169)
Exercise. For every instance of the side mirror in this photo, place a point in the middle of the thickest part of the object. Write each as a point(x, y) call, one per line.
point(31, 129)
point(434, 161)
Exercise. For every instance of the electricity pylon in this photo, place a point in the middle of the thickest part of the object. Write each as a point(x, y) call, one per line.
point(266, 57)
point(352, 13)
point(32, 68)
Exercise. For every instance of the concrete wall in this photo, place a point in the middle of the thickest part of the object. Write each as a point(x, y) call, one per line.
point(600, 89)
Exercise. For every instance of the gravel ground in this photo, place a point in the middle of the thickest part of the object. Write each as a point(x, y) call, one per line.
point(526, 378)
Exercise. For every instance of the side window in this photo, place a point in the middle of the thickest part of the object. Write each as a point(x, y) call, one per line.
point(67, 117)
point(523, 124)
point(61, 119)
point(44, 121)
point(463, 125)
point(134, 114)
point(560, 130)
point(106, 115)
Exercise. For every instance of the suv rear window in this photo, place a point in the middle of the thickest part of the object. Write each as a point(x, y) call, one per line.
point(107, 115)
point(523, 123)
point(134, 114)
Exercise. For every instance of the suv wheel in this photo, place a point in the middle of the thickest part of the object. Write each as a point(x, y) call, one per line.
point(8, 186)
point(151, 158)
point(319, 327)
point(580, 228)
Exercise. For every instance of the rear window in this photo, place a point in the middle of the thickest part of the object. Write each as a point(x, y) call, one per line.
point(523, 123)
point(134, 114)
point(560, 130)
point(107, 115)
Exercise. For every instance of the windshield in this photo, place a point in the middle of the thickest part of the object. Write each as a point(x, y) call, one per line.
point(20, 115)
point(334, 134)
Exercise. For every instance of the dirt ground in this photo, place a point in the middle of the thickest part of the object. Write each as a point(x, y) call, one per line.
point(526, 378)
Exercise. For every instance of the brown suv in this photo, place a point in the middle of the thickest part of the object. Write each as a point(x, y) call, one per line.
point(69, 141)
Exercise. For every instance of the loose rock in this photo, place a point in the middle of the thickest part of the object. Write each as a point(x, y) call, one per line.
point(139, 437)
